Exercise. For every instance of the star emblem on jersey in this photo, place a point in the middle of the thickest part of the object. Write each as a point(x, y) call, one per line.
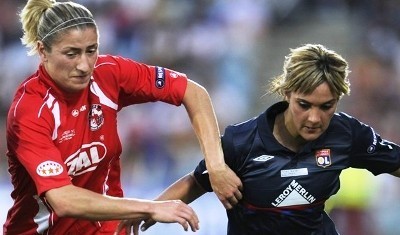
point(49, 168)
point(96, 118)
point(323, 157)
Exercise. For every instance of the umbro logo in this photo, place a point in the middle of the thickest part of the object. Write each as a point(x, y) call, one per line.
point(263, 158)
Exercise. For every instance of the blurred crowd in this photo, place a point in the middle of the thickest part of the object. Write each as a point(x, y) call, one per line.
point(232, 48)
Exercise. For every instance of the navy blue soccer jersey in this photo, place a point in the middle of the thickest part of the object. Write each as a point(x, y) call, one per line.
point(284, 191)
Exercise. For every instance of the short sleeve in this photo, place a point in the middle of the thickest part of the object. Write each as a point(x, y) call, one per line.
point(370, 151)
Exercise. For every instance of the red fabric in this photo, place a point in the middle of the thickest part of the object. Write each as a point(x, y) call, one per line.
point(52, 143)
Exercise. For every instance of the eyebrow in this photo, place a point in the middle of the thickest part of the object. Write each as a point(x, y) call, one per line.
point(327, 102)
point(78, 48)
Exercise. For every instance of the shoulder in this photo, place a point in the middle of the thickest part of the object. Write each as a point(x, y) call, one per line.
point(346, 121)
point(238, 137)
point(113, 61)
point(30, 97)
point(240, 129)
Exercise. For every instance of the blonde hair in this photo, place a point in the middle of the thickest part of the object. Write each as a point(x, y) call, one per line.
point(307, 67)
point(45, 20)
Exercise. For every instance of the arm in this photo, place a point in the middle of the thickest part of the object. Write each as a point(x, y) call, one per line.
point(186, 189)
point(72, 201)
point(224, 181)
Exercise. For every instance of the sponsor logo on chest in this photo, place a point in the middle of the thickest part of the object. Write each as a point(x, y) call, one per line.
point(86, 159)
point(294, 194)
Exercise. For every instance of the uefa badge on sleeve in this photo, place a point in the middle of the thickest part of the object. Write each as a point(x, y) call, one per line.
point(323, 157)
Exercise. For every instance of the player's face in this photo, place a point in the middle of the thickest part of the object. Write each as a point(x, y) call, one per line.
point(70, 62)
point(308, 116)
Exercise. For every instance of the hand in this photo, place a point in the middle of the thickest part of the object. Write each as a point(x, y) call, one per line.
point(130, 226)
point(172, 211)
point(133, 226)
point(227, 186)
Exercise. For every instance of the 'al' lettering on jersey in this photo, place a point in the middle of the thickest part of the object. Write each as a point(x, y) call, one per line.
point(56, 139)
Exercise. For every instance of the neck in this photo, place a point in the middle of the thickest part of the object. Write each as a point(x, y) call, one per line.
point(284, 137)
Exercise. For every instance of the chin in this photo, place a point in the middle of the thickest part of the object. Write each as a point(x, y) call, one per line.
point(310, 137)
point(77, 89)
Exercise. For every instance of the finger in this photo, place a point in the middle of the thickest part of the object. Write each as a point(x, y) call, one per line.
point(119, 228)
point(226, 203)
point(147, 224)
point(191, 219)
point(135, 229)
point(194, 224)
point(238, 195)
point(128, 230)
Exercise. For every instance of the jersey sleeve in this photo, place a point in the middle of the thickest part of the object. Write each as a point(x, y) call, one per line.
point(201, 173)
point(140, 83)
point(370, 151)
point(202, 177)
point(29, 142)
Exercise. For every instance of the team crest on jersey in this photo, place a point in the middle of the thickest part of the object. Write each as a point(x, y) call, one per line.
point(323, 157)
point(96, 118)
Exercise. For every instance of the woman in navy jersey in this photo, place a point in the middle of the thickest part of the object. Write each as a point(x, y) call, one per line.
point(62, 140)
point(289, 158)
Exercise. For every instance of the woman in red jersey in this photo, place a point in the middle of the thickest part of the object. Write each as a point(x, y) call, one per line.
point(62, 140)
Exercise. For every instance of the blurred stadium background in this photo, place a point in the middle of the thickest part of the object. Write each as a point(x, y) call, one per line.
point(233, 48)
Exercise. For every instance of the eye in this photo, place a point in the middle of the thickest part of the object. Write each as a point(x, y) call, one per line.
point(326, 106)
point(304, 105)
point(71, 54)
point(91, 51)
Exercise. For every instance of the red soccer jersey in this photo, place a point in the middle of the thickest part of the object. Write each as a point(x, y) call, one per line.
point(55, 139)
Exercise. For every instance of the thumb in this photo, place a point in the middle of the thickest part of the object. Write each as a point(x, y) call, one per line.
point(147, 224)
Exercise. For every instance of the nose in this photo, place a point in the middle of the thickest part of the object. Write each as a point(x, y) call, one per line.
point(83, 64)
point(314, 115)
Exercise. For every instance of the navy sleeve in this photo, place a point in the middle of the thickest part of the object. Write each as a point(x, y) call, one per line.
point(371, 152)
point(201, 174)
point(202, 177)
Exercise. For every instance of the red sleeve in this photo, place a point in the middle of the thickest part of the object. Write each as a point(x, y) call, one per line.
point(29, 141)
point(140, 83)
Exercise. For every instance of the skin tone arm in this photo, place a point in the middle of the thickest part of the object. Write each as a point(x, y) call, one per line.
point(224, 181)
point(72, 201)
point(186, 189)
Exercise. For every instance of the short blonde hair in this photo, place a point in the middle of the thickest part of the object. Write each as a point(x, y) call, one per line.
point(45, 20)
point(307, 67)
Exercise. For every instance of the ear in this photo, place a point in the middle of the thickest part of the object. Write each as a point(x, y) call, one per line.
point(41, 51)
point(287, 96)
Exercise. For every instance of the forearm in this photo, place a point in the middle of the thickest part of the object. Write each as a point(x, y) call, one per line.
point(72, 201)
point(201, 112)
point(185, 189)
